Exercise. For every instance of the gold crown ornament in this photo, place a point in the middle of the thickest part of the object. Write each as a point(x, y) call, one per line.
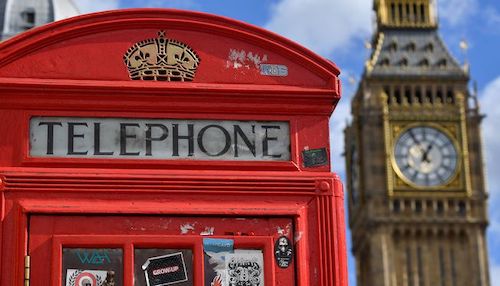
point(161, 59)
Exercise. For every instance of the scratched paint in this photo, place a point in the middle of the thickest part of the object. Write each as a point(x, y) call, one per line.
point(280, 230)
point(243, 59)
point(284, 231)
point(298, 236)
point(208, 231)
point(185, 228)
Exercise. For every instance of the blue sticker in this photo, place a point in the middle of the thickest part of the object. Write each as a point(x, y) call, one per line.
point(218, 245)
point(215, 252)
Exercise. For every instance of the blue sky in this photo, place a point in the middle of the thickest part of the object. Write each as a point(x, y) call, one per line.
point(338, 29)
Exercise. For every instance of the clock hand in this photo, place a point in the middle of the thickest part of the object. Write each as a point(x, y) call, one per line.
point(413, 137)
point(426, 153)
point(419, 144)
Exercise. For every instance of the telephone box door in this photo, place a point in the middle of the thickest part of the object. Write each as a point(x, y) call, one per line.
point(155, 251)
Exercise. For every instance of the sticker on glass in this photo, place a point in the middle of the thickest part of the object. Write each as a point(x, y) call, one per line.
point(245, 268)
point(93, 256)
point(315, 157)
point(283, 252)
point(273, 70)
point(165, 270)
point(80, 277)
point(215, 253)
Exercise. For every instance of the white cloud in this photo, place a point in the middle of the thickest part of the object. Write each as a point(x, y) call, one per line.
point(495, 274)
point(492, 15)
point(457, 12)
point(89, 6)
point(491, 136)
point(178, 4)
point(322, 25)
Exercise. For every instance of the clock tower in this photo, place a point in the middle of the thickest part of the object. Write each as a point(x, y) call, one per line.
point(415, 176)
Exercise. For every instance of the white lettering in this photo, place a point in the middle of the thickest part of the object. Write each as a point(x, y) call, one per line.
point(166, 270)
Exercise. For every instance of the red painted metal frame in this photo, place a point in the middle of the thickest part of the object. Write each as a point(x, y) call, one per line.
point(128, 241)
point(74, 68)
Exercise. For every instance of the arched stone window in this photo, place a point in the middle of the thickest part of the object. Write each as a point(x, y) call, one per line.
point(393, 46)
point(384, 62)
point(403, 62)
point(29, 16)
point(424, 63)
point(429, 48)
point(411, 47)
point(442, 63)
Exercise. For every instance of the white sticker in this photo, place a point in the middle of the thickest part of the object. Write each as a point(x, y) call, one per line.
point(245, 267)
point(273, 70)
point(79, 277)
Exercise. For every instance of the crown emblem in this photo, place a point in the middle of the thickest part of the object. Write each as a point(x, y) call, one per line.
point(161, 59)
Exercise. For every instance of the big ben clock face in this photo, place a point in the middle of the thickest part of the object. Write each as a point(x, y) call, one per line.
point(425, 156)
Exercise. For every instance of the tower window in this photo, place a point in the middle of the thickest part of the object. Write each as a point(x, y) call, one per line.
point(407, 15)
point(28, 16)
point(408, 97)
point(393, 12)
point(424, 63)
point(407, 205)
point(422, 13)
point(384, 62)
point(429, 204)
point(418, 206)
point(411, 47)
point(451, 204)
point(387, 91)
point(462, 209)
point(400, 10)
point(439, 96)
point(440, 207)
point(393, 46)
point(429, 48)
point(442, 63)
point(418, 95)
point(450, 98)
point(397, 95)
point(428, 95)
point(396, 206)
point(403, 62)
point(414, 15)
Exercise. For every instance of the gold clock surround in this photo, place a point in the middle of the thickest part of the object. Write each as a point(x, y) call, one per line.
point(400, 185)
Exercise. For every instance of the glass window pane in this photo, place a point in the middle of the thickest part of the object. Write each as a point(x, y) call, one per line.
point(158, 267)
point(92, 267)
point(245, 267)
point(225, 265)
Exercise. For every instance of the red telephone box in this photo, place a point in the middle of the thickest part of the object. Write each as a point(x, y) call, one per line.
point(161, 147)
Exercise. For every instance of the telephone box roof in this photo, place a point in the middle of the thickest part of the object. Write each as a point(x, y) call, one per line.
point(111, 51)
